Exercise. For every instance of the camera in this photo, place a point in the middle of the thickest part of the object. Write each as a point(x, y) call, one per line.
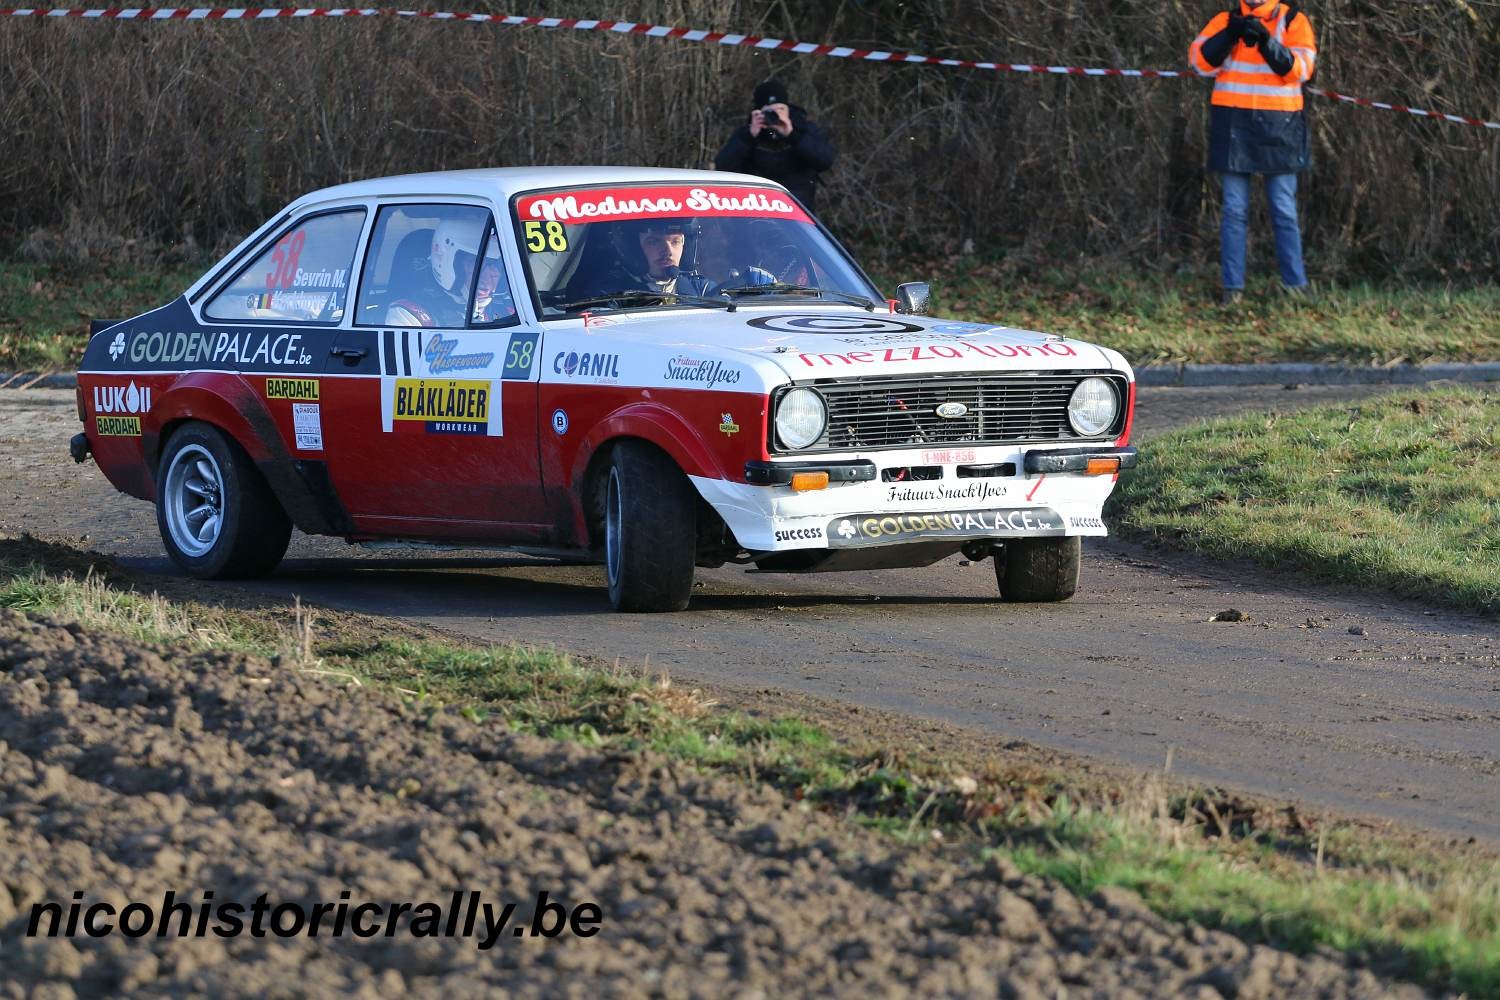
point(771, 118)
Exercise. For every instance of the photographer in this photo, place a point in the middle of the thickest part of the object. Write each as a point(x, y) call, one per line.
point(780, 144)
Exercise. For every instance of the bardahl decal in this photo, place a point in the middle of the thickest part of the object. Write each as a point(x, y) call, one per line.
point(118, 426)
point(292, 388)
point(708, 373)
point(867, 529)
point(443, 407)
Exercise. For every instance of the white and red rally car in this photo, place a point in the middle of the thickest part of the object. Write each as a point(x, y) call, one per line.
point(663, 368)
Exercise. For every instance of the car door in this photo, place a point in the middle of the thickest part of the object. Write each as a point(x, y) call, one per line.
point(436, 436)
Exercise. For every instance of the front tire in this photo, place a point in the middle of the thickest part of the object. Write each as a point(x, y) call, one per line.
point(218, 518)
point(1039, 569)
point(650, 530)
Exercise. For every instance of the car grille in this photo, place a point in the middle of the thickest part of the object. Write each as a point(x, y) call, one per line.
point(1001, 409)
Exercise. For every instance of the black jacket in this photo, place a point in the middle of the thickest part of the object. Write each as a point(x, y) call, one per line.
point(794, 162)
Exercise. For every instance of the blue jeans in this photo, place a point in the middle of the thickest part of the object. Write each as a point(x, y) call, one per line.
point(1281, 192)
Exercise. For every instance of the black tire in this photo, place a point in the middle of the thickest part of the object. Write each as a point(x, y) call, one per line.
point(204, 475)
point(650, 530)
point(1039, 569)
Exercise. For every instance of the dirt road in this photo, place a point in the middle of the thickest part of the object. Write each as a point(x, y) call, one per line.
point(1357, 702)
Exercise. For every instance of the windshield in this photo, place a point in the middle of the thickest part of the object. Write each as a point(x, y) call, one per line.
point(688, 246)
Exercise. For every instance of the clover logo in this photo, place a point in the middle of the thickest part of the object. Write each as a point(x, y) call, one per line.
point(846, 528)
point(117, 346)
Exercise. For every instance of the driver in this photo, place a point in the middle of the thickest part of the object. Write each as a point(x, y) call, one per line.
point(653, 255)
point(451, 261)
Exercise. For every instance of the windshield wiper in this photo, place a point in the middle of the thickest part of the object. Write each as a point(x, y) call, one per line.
point(640, 294)
point(786, 288)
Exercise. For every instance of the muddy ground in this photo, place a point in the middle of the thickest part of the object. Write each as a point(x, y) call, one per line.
point(130, 772)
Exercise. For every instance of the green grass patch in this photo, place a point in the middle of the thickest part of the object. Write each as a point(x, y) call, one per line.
point(1157, 317)
point(45, 310)
point(1430, 912)
point(1400, 492)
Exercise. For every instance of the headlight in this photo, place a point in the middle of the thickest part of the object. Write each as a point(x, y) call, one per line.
point(1093, 406)
point(800, 418)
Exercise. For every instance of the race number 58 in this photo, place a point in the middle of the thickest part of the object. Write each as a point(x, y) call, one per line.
point(542, 236)
point(284, 260)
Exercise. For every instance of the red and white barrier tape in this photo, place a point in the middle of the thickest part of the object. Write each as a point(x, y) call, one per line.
point(663, 31)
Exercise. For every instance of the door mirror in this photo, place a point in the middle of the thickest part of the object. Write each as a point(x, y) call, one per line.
point(913, 297)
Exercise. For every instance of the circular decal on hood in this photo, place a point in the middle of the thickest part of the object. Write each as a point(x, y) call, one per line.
point(833, 324)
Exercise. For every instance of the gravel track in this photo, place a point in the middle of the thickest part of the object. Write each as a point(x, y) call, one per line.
point(130, 771)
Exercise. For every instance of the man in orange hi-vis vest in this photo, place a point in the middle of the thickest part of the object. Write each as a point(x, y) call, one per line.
point(1259, 56)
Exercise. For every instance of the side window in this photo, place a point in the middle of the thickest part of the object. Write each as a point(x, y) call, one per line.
point(302, 277)
point(425, 269)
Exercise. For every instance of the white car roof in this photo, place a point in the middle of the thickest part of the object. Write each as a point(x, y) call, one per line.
point(503, 182)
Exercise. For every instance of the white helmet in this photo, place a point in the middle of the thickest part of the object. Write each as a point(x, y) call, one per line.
point(452, 237)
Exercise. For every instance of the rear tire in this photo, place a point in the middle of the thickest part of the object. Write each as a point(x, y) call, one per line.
point(1039, 569)
point(650, 530)
point(218, 518)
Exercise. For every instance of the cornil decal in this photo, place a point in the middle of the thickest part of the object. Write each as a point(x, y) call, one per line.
point(595, 367)
point(122, 399)
point(708, 373)
point(875, 528)
point(440, 357)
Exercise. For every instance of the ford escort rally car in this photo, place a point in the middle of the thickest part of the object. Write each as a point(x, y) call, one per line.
point(658, 369)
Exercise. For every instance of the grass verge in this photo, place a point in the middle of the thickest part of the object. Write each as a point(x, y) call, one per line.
point(1160, 317)
point(1399, 492)
point(1425, 911)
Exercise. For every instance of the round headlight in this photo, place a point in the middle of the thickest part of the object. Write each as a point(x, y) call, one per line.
point(1093, 406)
point(800, 418)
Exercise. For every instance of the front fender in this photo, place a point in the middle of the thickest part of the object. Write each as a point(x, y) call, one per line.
point(661, 426)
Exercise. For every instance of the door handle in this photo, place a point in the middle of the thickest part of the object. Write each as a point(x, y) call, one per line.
point(350, 353)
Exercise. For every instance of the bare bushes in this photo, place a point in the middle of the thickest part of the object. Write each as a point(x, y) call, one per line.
point(175, 127)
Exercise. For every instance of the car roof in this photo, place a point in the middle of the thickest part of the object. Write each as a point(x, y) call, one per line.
point(508, 181)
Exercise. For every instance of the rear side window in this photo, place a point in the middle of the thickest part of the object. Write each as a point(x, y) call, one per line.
point(435, 266)
point(302, 277)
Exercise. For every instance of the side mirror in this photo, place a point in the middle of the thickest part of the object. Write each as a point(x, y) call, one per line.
point(913, 297)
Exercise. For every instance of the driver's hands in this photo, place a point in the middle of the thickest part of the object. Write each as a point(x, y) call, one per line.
point(785, 128)
point(757, 122)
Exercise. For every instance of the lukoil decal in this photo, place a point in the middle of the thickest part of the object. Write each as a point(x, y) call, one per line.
point(292, 388)
point(876, 528)
point(122, 399)
point(307, 425)
point(442, 407)
point(598, 367)
point(727, 424)
point(440, 357)
point(708, 372)
point(205, 348)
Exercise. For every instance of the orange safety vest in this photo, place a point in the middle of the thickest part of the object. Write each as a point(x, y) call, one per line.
point(1244, 80)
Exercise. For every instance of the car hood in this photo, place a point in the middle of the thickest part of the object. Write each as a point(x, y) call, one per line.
point(825, 341)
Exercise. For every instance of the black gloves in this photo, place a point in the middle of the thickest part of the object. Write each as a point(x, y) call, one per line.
point(1253, 31)
point(1237, 26)
point(1216, 47)
point(1277, 57)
